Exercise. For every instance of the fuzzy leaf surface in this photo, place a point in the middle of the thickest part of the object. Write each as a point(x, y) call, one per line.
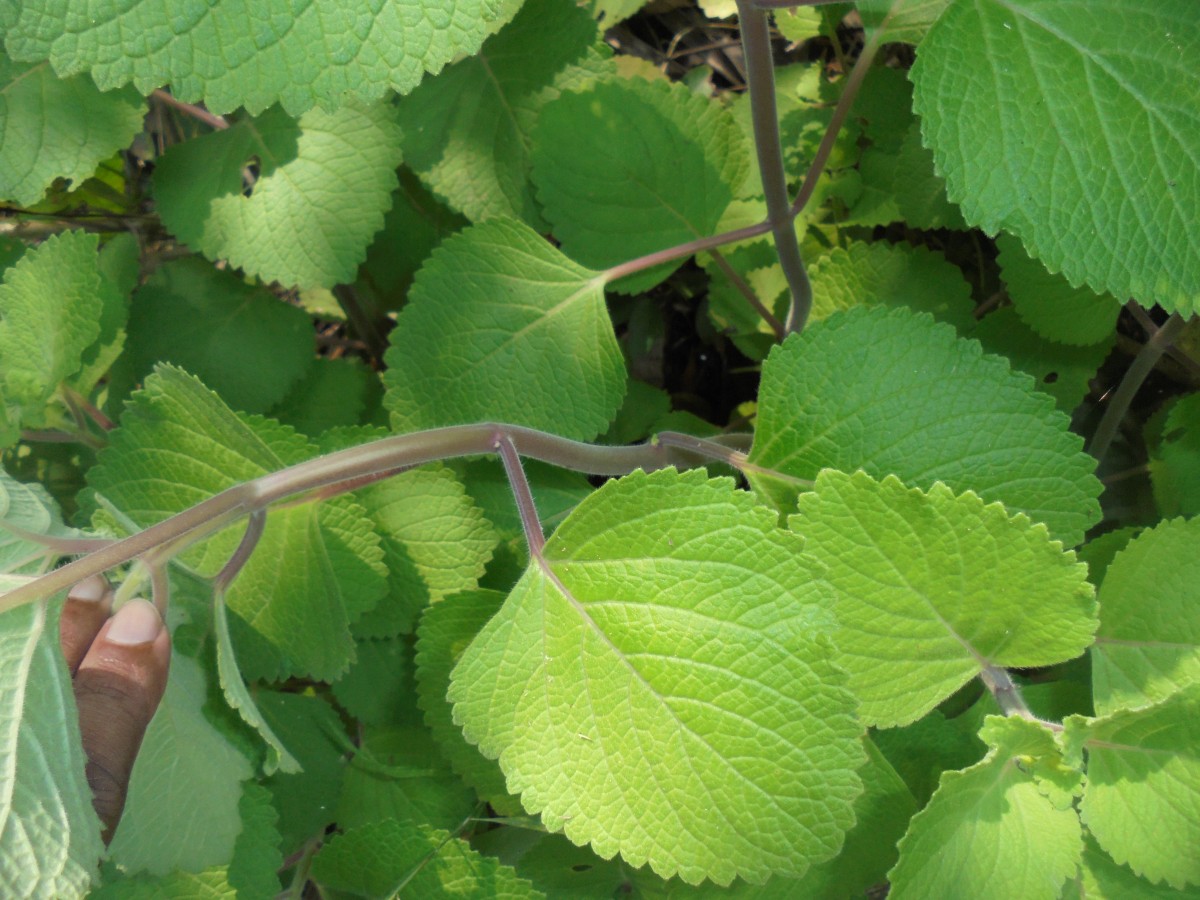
point(378, 860)
point(932, 588)
point(49, 311)
point(49, 834)
point(1148, 645)
point(317, 568)
point(660, 685)
point(326, 182)
point(29, 508)
point(988, 819)
point(467, 132)
point(627, 167)
point(1142, 796)
point(1073, 125)
point(57, 128)
point(925, 406)
point(501, 326)
point(232, 53)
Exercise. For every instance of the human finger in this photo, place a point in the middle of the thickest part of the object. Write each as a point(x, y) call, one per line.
point(117, 688)
point(87, 608)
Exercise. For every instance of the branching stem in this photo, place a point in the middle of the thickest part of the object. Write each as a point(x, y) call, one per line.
point(530, 522)
point(1008, 696)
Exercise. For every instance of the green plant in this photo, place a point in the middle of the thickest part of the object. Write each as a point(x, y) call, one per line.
point(694, 678)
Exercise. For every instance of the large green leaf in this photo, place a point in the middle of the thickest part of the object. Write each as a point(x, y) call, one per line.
point(992, 818)
point(893, 393)
point(501, 326)
point(660, 684)
point(1142, 797)
point(467, 132)
point(57, 128)
point(627, 167)
point(1073, 125)
point(1148, 645)
point(50, 305)
point(324, 185)
point(318, 567)
point(231, 53)
point(49, 834)
point(932, 588)
point(182, 809)
point(27, 509)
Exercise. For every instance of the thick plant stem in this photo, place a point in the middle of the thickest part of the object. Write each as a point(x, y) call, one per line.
point(760, 80)
point(1008, 697)
point(1139, 370)
point(531, 523)
point(350, 468)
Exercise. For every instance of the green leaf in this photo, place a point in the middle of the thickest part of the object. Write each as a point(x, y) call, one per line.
point(886, 274)
point(909, 21)
point(1101, 877)
point(1064, 372)
point(228, 55)
point(627, 167)
point(501, 326)
point(49, 834)
point(920, 752)
point(49, 307)
point(28, 509)
point(988, 819)
point(120, 271)
point(1142, 797)
point(317, 567)
point(445, 631)
point(467, 132)
point(1148, 645)
point(384, 858)
point(1061, 123)
point(399, 773)
point(1175, 460)
point(933, 588)
point(659, 681)
point(256, 856)
point(924, 406)
point(1049, 305)
point(378, 688)
point(223, 330)
point(335, 393)
point(57, 128)
point(182, 808)
point(325, 184)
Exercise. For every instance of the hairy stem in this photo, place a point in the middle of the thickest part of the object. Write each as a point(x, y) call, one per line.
point(254, 531)
point(351, 466)
point(748, 292)
point(196, 112)
point(1139, 370)
point(680, 251)
point(1000, 684)
point(530, 522)
point(760, 81)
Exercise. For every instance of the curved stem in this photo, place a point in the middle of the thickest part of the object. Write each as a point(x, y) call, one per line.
point(1139, 370)
point(530, 523)
point(690, 248)
point(760, 80)
point(1001, 686)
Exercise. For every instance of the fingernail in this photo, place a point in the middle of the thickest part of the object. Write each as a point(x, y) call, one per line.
point(91, 590)
point(137, 622)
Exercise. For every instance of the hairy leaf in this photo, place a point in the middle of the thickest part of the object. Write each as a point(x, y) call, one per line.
point(660, 680)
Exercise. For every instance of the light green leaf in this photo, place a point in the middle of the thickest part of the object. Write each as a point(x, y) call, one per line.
point(120, 271)
point(627, 167)
point(256, 856)
point(211, 884)
point(383, 858)
point(446, 630)
point(659, 684)
point(1101, 878)
point(223, 330)
point(1064, 122)
point(1049, 305)
point(1142, 797)
point(27, 508)
point(1148, 645)
point(49, 311)
point(989, 819)
point(920, 752)
point(325, 184)
point(1175, 460)
point(317, 567)
point(57, 128)
point(910, 21)
point(182, 808)
point(467, 132)
point(798, 24)
point(230, 54)
point(893, 393)
point(501, 326)
point(49, 834)
point(883, 274)
point(932, 588)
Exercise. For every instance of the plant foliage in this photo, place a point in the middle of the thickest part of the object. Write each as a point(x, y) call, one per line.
point(922, 639)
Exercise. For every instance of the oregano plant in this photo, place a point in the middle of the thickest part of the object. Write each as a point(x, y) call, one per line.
point(765, 470)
